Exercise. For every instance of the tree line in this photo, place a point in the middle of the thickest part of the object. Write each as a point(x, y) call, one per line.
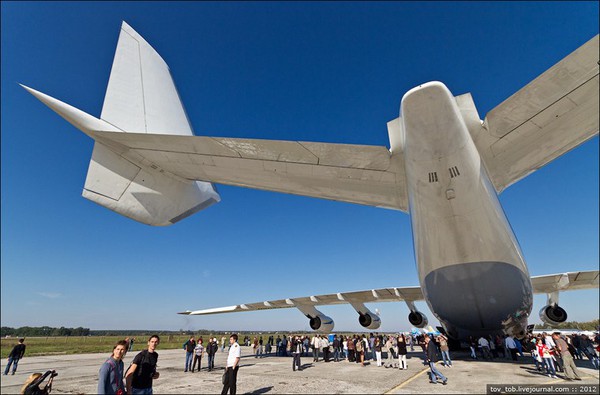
point(45, 331)
point(582, 326)
point(25, 331)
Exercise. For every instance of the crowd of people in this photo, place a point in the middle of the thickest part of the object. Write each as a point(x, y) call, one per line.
point(352, 348)
point(195, 351)
point(550, 352)
point(553, 353)
point(580, 346)
point(561, 350)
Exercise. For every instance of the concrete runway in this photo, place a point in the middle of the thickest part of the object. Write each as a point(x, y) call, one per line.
point(78, 374)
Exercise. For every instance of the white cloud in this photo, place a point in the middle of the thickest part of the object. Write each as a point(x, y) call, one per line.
point(50, 295)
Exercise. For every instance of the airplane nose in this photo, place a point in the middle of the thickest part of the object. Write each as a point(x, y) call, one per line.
point(479, 296)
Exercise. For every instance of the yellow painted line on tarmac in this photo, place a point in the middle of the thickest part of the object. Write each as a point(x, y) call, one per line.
point(407, 381)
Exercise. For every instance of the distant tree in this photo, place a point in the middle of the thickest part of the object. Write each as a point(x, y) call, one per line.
point(26, 331)
point(584, 326)
point(7, 331)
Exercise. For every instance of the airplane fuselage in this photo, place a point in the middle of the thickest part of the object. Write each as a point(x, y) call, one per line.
point(470, 265)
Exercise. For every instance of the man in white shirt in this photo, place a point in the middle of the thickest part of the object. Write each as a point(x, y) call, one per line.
point(233, 364)
point(549, 341)
point(485, 347)
point(512, 347)
point(316, 344)
point(325, 348)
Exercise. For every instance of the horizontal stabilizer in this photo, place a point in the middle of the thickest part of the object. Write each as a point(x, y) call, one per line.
point(349, 173)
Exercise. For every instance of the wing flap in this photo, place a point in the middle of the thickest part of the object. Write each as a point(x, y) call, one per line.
point(342, 172)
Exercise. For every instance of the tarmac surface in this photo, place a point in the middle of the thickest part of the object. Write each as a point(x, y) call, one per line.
point(78, 374)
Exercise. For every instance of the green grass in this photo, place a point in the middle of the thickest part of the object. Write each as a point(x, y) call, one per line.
point(84, 344)
point(37, 346)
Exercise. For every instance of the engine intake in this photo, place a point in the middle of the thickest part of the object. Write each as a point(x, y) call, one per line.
point(417, 319)
point(553, 314)
point(321, 323)
point(369, 320)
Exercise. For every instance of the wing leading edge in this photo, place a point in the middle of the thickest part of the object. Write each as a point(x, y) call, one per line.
point(408, 294)
point(541, 284)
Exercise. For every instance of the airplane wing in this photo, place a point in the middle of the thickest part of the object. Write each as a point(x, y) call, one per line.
point(360, 174)
point(409, 294)
point(551, 115)
point(541, 284)
point(565, 281)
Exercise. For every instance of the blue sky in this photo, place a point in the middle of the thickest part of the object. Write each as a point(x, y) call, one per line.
point(327, 72)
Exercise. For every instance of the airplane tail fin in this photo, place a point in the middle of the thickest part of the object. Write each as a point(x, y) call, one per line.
point(141, 97)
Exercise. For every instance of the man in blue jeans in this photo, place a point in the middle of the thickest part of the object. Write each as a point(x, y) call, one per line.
point(13, 358)
point(189, 347)
point(211, 350)
point(431, 352)
point(371, 347)
point(336, 348)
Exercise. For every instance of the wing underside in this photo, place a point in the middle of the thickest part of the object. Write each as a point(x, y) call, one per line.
point(551, 115)
point(409, 294)
point(565, 281)
point(541, 284)
point(350, 173)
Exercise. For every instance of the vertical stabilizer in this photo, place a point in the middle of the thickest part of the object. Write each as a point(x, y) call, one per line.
point(141, 96)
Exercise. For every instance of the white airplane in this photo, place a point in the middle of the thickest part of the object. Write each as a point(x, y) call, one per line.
point(445, 167)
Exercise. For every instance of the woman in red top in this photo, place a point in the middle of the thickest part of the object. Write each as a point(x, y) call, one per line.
point(544, 352)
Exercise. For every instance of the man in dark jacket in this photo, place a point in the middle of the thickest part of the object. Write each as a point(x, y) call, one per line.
point(189, 347)
point(336, 348)
point(211, 350)
point(17, 353)
point(431, 352)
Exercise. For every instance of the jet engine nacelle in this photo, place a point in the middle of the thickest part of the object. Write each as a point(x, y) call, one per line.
point(417, 319)
point(369, 320)
point(321, 323)
point(553, 315)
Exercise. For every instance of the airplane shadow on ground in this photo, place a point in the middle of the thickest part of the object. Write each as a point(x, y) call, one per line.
point(262, 390)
